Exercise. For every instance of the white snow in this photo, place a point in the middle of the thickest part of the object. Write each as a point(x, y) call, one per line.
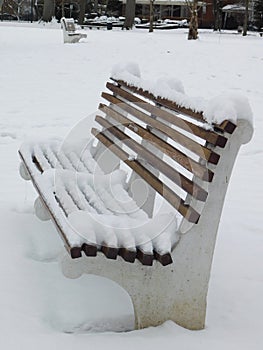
point(234, 105)
point(127, 232)
point(126, 71)
point(100, 211)
point(46, 89)
point(231, 106)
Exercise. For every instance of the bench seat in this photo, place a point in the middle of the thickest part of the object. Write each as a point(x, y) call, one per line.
point(83, 201)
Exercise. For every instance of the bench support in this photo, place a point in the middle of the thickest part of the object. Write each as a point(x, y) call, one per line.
point(176, 292)
point(154, 291)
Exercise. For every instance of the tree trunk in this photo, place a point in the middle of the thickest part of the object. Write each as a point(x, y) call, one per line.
point(245, 19)
point(95, 6)
point(129, 14)
point(151, 15)
point(36, 12)
point(216, 13)
point(82, 8)
point(48, 10)
point(62, 8)
point(193, 25)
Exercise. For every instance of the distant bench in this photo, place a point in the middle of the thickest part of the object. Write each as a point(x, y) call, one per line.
point(70, 33)
point(173, 154)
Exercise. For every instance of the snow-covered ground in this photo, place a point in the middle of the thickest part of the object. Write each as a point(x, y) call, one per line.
point(46, 87)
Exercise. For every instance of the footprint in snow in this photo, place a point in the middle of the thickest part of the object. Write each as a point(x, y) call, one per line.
point(7, 137)
point(8, 134)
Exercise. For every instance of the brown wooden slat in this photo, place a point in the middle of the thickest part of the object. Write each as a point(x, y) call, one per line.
point(89, 249)
point(164, 102)
point(128, 255)
point(145, 259)
point(182, 181)
point(194, 167)
point(183, 140)
point(209, 136)
point(185, 210)
point(227, 125)
point(75, 252)
point(164, 259)
point(110, 252)
point(60, 205)
point(37, 164)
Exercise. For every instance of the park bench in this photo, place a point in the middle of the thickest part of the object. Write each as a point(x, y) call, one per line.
point(70, 33)
point(178, 162)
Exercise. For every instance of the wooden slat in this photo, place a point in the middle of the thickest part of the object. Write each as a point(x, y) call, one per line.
point(110, 252)
point(164, 102)
point(60, 205)
point(164, 259)
point(183, 182)
point(37, 164)
point(75, 252)
point(89, 249)
point(145, 259)
point(183, 140)
point(194, 167)
point(209, 136)
point(227, 125)
point(185, 210)
point(72, 250)
point(128, 255)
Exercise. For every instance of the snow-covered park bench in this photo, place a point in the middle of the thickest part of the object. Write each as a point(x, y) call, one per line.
point(152, 231)
point(70, 33)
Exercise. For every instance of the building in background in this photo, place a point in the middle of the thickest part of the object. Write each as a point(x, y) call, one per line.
point(229, 13)
point(225, 14)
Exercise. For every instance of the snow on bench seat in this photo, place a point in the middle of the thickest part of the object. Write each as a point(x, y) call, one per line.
point(50, 154)
point(96, 213)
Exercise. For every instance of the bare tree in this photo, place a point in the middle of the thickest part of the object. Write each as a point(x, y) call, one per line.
point(48, 10)
point(82, 7)
point(62, 8)
point(258, 14)
point(20, 9)
point(217, 14)
point(12, 6)
point(96, 3)
point(193, 25)
point(129, 14)
point(151, 15)
point(245, 18)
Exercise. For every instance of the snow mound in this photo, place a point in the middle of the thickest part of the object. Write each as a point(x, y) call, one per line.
point(230, 106)
point(226, 106)
point(129, 71)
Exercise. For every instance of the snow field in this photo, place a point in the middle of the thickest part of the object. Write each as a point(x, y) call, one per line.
point(46, 88)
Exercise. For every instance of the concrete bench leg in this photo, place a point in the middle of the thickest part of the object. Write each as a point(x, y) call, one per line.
point(155, 292)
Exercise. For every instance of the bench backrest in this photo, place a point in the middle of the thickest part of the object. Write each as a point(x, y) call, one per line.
point(68, 24)
point(169, 146)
